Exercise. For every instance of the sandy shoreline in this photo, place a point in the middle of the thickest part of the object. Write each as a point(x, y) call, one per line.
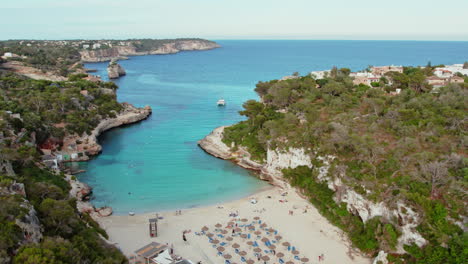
point(309, 232)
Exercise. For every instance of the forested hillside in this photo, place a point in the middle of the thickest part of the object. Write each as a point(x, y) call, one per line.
point(390, 148)
point(39, 222)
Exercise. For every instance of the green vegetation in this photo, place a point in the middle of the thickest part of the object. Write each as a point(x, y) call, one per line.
point(32, 112)
point(142, 45)
point(44, 57)
point(408, 147)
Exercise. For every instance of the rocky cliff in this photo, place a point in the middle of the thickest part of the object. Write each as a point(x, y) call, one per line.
point(294, 157)
point(115, 70)
point(89, 143)
point(119, 52)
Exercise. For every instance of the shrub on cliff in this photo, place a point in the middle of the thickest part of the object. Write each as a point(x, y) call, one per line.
point(406, 147)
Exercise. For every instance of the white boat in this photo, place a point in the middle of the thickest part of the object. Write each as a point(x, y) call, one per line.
point(131, 213)
point(221, 102)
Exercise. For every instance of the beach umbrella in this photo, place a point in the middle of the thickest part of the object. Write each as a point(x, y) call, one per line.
point(229, 238)
point(295, 252)
point(215, 241)
point(289, 262)
point(279, 255)
point(250, 243)
point(242, 253)
point(235, 245)
point(257, 250)
point(263, 225)
point(205, 228)
point(286, 244)
point(266, 258)
point(278, 237)
point(218, 225)
point(257, 233)
point(249, 261)
point(264, 239)
point(221, 249)
point(224, 232)
point(272, 247)
point(256, 218)
point(304, 259)
point(227, 256)
point(209, 235)
point(231, 223)
point(271, 230)
point(243, 236)
point(251, 227)
point(237, 229)
point(244, 220)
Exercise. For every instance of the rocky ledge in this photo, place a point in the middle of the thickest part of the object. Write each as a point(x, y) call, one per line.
point(89, 143)
point(115, 70)
point(120, 52)
point(214, 146)
point(81, 191)
point(129, 115)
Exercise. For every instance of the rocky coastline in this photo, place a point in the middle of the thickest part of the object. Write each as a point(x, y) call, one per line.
point(115, 70)
point(121, 52)
point(82, 191)
point(89, 143)
point(276, 160)
point(213, 145)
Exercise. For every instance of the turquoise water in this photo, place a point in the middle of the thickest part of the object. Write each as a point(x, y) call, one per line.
point(156, 164)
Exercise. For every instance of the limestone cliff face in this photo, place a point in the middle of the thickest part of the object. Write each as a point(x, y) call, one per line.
point(29, 222)
point(119, 52)
point(294, 157)
point(115, 70)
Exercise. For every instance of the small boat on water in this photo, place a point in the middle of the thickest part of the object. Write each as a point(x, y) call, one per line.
point(131, 213)
point(221, 102)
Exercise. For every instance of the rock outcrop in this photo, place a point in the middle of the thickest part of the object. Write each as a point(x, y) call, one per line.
point(81, 191)
point(89, 143)
point(270, 170)
point(120, 52)
point(294, 157)
point(28, 222)
point(115, 70)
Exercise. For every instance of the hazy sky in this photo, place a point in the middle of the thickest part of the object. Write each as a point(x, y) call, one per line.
point(235, 19)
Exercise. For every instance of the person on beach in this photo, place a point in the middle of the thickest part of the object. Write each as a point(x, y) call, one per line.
point(183, 237)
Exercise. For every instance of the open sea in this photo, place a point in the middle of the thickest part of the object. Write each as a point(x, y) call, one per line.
point(156, 164)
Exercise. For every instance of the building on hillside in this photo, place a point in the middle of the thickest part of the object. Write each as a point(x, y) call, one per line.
point(436, 82)
point(85, 46)
point(382, 70)
point(96, 46)
point(450, 70)
point(456, 79)
point(443, 73)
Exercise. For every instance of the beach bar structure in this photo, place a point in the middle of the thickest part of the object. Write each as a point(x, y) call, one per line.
point(150, 252)
point(153, 227)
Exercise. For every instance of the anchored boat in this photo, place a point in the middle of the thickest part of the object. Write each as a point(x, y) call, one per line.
point(221, 102)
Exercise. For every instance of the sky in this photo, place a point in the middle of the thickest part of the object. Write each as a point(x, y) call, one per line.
point(235, 19)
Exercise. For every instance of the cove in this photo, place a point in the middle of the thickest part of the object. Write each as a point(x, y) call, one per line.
point(156, 164)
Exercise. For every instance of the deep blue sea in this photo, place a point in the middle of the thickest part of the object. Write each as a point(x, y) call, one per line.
point(156, 164)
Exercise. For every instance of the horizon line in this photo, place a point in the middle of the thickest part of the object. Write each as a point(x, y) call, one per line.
point(243, 39)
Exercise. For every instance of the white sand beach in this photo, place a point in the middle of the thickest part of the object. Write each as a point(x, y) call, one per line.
point(309, 232)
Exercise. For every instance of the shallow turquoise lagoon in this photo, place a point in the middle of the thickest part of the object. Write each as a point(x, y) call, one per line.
point(156, 164)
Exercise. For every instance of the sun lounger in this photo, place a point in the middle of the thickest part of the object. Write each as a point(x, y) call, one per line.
point(297, 258)
point(243, 259)
point(281, 261)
